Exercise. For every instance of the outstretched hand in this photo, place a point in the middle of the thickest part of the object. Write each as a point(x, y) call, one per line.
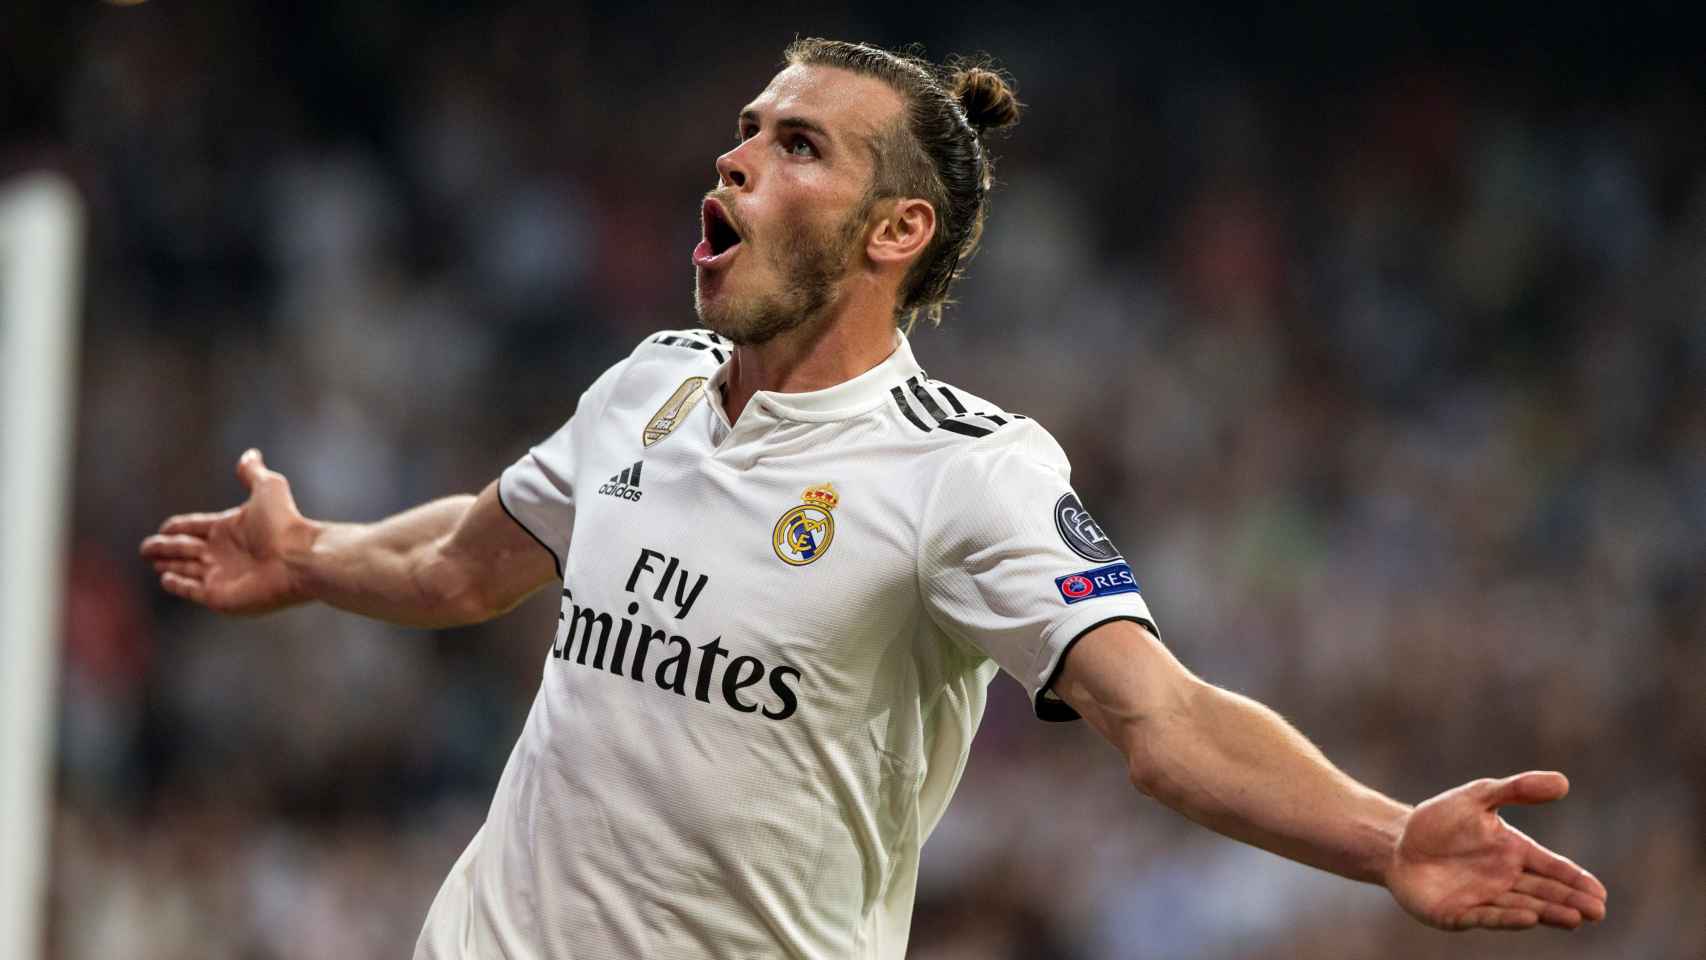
point(234, 561)
point(1459, 866)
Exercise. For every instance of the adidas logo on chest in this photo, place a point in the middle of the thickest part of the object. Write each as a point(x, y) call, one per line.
point(624, 485)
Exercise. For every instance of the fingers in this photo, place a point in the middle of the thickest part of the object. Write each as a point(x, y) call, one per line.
point(250, 468)
point(192, 569)
point(1551, 914)
point(1538, 859)
point(1588, 905)
point(1535, 786)
point(174, 547)
point(1496, 918)
point(181, 586)
point(195, 524)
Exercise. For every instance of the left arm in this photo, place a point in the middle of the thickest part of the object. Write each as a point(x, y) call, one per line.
point(1236, 767)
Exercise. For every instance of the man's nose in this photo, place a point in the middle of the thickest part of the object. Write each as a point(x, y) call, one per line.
point(732, 169)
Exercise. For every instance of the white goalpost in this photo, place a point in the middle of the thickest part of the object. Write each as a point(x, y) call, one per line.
point(41, 234)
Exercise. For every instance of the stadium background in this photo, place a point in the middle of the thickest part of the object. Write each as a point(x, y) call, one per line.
point(1377, 338)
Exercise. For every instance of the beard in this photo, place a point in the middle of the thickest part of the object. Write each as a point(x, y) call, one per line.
point(811, 260)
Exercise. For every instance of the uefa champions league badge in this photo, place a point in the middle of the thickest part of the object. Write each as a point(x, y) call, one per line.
point(805, 532)
point(1081, 532)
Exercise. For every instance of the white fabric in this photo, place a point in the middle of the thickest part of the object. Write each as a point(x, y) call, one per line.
point(750, 763)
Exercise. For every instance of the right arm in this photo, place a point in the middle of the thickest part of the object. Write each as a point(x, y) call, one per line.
point(454, 561)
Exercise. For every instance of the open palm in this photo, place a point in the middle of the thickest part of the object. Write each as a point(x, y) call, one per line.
point(233, 561)
point(1459, 866)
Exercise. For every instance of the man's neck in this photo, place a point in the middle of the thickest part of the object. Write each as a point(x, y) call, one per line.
point(813, 356)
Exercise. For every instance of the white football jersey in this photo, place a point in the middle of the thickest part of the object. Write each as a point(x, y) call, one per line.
point(773, 651)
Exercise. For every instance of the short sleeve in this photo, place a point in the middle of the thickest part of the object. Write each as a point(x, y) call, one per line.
point(538, 490)
point(1012, 563)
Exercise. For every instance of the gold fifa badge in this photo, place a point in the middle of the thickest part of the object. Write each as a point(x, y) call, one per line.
point(674, 410)
point(805, 532)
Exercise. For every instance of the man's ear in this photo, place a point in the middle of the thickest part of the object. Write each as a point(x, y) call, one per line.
point(902, 232)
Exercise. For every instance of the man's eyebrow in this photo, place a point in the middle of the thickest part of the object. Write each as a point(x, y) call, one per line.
point(804, 123)
point(788, 123)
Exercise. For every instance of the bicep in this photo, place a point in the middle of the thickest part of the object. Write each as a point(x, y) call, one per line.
point(1121, 679)
point(498, 559)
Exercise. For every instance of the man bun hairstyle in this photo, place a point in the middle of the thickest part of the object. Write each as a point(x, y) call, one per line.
point(986, 98)
point(939, 153)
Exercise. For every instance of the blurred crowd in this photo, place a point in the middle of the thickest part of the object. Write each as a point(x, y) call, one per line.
point(1389, 377)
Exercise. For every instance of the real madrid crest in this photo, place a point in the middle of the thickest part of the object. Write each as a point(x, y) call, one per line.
point(674, 410)
point(805, 532)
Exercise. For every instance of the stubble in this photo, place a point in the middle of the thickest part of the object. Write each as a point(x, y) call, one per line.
point(811, 261)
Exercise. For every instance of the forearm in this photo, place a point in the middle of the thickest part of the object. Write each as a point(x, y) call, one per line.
point(391, 570)
point(1235, 766)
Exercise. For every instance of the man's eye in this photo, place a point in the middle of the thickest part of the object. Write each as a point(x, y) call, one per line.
point(801, 147)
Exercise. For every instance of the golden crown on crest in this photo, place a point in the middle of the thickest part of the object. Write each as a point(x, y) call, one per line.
point(823, 495)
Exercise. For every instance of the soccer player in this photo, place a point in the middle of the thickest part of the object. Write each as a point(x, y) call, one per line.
point(790, 563)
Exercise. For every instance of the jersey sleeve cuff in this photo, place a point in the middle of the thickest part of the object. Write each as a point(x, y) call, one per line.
point(556, 560)
point(1064, 635)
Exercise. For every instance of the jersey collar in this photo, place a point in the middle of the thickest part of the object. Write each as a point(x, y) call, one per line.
point(846, 399)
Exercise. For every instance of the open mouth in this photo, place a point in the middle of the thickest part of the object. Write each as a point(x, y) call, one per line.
point(720, 238)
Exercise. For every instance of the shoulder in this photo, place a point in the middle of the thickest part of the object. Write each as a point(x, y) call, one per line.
point(970, 454)
point(666, 360)
point(696, 346)
point(694, 349)
point(957, 424)
point(668, 356)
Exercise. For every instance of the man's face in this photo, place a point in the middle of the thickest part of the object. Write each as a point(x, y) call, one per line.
point(787, 221)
